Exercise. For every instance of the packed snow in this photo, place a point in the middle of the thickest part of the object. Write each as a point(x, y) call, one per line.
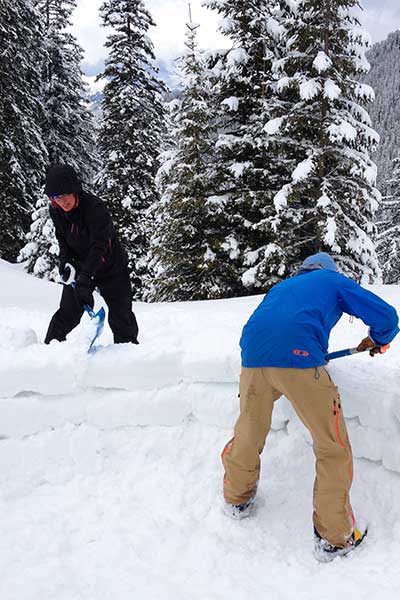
point(110, 468)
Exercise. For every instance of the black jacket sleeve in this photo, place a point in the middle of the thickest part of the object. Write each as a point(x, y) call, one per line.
point(99, 224)
point(63, 256)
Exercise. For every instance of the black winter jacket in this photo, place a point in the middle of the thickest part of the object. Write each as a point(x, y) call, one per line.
point(87, 238)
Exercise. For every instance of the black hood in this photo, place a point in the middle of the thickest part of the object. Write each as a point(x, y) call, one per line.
point(62, 179)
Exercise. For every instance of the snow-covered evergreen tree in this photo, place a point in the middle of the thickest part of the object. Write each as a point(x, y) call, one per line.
point(329, 201)
point(131, 128)
point(249, 171)
point(22, 153)
point(185, 247)
point(40, 253)
point(384, 78)
point(388, 241)
point(68, 126)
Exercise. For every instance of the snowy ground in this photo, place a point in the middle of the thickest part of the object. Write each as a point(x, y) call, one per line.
point(110, 475)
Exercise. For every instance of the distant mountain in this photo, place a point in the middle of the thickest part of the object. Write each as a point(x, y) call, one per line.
point(384, 77)
point(95, 88)
point(94, 93)
point(166, 73)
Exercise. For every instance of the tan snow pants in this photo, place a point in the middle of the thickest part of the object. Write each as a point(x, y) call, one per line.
point(316, 401)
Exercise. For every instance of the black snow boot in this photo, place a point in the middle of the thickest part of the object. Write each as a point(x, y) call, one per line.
point(240, 511)
point(325, 552)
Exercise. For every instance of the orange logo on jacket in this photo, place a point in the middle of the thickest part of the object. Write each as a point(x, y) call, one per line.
point(301, 352)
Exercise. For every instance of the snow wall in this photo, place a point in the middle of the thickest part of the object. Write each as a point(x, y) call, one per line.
point(186, 367)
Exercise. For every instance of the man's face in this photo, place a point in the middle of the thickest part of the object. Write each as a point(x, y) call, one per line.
point(67, 201)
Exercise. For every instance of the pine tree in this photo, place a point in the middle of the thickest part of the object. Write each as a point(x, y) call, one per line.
point(22, 153)
point(186, 254)
point(68, 126)
point(384, 78)
point(131, 129)
point(388, 223)
point(40, 253)
point(329, 201)
point(249, 171)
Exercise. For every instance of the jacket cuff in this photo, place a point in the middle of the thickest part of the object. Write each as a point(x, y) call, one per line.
point(371, 338)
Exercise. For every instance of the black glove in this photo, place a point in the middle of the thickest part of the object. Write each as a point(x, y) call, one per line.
point(84, 291)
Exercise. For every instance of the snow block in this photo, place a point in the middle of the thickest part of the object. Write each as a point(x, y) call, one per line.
point(169, 406)
point(31, 414)
point(368, 389)
point(212, 361)
point(132, 367)
point(38, 368)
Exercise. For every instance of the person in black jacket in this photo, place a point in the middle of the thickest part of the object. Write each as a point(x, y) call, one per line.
point(88, 241)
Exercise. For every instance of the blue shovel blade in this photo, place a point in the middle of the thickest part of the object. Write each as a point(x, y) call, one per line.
point(99, 317)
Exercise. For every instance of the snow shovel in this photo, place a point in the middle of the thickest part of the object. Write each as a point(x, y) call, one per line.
point(98, 317)
point(350, 351)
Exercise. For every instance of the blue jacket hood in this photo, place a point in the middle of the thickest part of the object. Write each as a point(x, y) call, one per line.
point(321, 260)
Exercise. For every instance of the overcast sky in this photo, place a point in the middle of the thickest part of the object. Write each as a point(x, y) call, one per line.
point(379, 17)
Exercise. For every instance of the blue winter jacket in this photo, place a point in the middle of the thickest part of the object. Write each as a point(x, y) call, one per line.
point(291, 326)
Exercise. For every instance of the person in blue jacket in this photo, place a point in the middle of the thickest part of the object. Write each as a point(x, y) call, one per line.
point(283, 345)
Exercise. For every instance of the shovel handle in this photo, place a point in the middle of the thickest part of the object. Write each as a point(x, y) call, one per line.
point(72, 275)
point(350, 351)
point(340, 353)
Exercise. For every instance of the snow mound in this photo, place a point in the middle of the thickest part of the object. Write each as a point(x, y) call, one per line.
point(14, 338)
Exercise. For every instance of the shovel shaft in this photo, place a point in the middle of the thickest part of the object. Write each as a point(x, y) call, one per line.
point(340, 353)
